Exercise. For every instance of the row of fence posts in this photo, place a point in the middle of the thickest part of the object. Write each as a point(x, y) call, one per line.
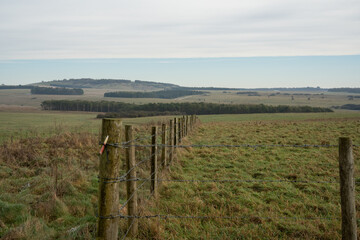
point(107, 227)
point(171, 135)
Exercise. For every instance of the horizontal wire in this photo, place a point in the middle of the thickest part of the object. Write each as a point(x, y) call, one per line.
point(237, 146)
point(123, 177)
point(228, 146)
point(132, 195)
point(229, 180)
point(240, 180)
point(138, 139)
point(165, 217)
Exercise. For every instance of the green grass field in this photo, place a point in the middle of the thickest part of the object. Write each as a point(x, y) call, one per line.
point(266, 210)
point(48, 177)
point(19, 125)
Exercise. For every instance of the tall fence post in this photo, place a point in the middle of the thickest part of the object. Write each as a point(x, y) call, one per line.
point(347, 189)
point(107, 228)
point(180, 129)
point(183, 127)
point(187, 124)
point(153, 173)
point(176, 139)
point(171, 141)
point(191, 122)
point(131, 185)
point(163, 142)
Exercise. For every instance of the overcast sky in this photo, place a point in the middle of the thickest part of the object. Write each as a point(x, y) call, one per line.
point(117, 29)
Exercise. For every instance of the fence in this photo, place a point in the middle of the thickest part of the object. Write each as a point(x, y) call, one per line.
point(165, 149)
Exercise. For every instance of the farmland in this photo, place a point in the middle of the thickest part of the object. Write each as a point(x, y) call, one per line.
point(51, 181)
point(276, 210)
point(313, 99)
point(49, 169)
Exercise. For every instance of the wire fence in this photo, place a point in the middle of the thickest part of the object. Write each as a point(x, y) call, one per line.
point(173, 137)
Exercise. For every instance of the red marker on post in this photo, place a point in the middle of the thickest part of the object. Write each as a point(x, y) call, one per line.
point(103, 146)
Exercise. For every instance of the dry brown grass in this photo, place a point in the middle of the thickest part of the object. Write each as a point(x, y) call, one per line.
point(47, 187)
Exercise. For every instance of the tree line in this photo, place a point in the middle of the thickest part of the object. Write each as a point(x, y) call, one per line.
point(165, 94)
point(348, 90)
point(57, 91)
point(349, 107)
point(175, 108)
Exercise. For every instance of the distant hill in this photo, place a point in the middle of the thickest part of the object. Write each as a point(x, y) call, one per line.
point(138, 85)
point(122, 84)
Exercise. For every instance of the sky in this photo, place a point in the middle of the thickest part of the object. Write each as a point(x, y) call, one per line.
point(230, 43)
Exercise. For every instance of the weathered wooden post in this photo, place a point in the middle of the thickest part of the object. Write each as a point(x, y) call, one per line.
point(176, 139)
point(164, 148)
point(191, 122)
point(347, 189)
point(171, 141)
point(187, 124)
point(183, 127)
point(179, 130)
point(107, 227)
point(153, 170)
point(131, 184)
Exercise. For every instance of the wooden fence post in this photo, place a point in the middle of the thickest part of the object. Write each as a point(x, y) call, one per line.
point(347, 189)
point(131, 185)
point(183, 126)
point(179, 130)
point(187, 124)
point(107, 228)
point(171, 141)
point(191, 122)
point(153, 172)
point(163, 142)
point(176, 139)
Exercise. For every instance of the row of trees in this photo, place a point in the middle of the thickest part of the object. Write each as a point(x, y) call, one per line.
point(183, 108)
point(348, 90)
point(57, 91)
point(248, 93)
point(349, 107)
point(166, 94)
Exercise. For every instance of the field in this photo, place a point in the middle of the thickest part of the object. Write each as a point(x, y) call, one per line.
point(314, 99)
point(49, 169)
point(266, 210)
point(20, 123)
point(33, 123)
point(49, 183)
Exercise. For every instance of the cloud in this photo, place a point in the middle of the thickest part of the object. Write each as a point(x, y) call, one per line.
point(169, 28)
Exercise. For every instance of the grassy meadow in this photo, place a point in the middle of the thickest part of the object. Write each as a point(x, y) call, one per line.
point(33, 123)
point(49, 187)
point(49, 168)
point(267, 210)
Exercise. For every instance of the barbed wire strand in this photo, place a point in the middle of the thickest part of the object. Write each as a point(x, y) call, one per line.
point(123, 177)
point(138, 139)
point(165, 217)
point(237, 146)
point(132, 195)
point(144, 137)
point(231, 180)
